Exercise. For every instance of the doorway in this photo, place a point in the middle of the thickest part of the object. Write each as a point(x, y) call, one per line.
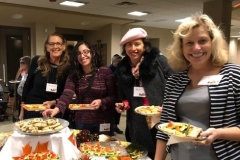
point(14, 44)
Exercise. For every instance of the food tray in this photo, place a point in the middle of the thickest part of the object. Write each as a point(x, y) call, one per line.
point(63, 122)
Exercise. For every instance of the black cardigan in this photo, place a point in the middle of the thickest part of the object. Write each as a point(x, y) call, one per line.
point(34, 90)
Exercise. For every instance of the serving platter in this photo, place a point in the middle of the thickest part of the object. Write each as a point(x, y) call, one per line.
point(148, 110)
point(80, 107)
point(40, 131)
point(34, 107)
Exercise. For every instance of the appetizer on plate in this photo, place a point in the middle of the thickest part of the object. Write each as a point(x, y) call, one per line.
point(79, 107)
point(40, 125)
point(34, 107)
point(148, 110)
point(180, 129)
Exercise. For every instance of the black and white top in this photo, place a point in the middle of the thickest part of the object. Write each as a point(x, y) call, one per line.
point(224, 107)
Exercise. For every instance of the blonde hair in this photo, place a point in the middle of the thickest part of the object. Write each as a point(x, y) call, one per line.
point(27, 61)
point(43, 61)
point(175, 55)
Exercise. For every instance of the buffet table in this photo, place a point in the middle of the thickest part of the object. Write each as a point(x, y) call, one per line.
point(58, 143)
point(43, 137)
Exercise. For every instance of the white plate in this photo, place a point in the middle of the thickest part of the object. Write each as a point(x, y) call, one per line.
point(63, 122)
point(39, 107)
point(13, 81)
point(161, 126)
point(140, 110)
point(79, 107)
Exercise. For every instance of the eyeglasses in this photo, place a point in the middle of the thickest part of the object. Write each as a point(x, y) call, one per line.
point(52, 44)
point(84, 52)
point(22, 62)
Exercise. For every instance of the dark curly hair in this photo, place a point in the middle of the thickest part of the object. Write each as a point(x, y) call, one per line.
point(76, 70)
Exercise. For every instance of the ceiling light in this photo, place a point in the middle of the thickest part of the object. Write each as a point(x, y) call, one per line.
point(72, 4)
point(84, 23)
point(17, 16)
point(137, 13)
point(236, 5)
point(182, 20)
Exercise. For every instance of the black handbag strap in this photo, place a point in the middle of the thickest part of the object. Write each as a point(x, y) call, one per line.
point(161, 68)
point(89, 87)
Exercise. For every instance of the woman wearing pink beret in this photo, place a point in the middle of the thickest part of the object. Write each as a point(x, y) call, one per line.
point(143, 68)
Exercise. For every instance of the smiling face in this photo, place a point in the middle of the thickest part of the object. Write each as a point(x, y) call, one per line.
point(55, 46)
point(197, 47)
point(84, 56)
point(134, 50)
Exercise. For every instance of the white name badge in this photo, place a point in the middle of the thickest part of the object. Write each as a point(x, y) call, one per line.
point(211, 80)
point(139, 92)
point(104, 127)
point(51, 87)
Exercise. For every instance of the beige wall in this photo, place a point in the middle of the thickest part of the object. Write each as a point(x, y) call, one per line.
point(110, 34)
point(234, 51)
point(164, 35)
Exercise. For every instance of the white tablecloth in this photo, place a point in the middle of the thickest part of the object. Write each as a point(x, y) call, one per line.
point(58, 143)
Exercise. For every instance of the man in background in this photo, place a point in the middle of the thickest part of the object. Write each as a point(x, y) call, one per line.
point(115, 60)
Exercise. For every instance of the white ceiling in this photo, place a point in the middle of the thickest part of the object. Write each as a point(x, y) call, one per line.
point(99, 13)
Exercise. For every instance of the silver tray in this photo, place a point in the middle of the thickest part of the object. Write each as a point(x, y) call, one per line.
point(63, 122)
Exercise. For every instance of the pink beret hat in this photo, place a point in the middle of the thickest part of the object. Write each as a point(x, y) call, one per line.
point(132, 34)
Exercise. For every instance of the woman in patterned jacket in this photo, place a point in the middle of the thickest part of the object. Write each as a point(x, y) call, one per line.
point(205, 93)
point(87, 66)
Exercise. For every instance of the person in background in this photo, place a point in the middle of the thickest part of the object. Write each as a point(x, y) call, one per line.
point(93, 84)
point(21, 76)
point(46, 76)
point(115, 60)
point(199, 49)
point(138, 70)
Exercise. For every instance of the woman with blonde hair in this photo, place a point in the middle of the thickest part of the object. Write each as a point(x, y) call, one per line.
point(21, 76)
point(199, 52)
point(47, 76)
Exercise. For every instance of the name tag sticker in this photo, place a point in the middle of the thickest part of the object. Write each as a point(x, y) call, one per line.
point(139, 92)
point(104, 127)
point(51, 87)
point(211, 80)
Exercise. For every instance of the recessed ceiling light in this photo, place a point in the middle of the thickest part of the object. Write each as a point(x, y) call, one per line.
point(17, 16)
point(84, 23)
point(72, 4)
point(181, 20)
point(137, 13)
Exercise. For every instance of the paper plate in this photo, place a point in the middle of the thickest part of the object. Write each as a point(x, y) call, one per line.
point(148, 110)
point(162, 127)
point(13, 81)
point(34, 107)
point(80, 107)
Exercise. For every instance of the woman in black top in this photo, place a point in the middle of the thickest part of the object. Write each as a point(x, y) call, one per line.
point(47, 76)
